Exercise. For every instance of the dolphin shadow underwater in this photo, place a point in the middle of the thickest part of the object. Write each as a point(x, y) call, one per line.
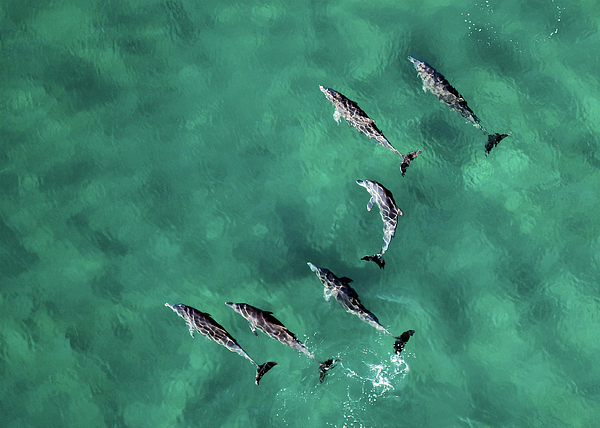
point(357, 118)
point(208, 327)
point(346, 296)
point(272, 327)
point(436, 83)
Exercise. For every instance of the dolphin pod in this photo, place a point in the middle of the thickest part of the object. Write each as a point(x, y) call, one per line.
point(339, 288)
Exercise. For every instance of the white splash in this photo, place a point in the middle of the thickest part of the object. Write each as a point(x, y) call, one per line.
point(383, 377)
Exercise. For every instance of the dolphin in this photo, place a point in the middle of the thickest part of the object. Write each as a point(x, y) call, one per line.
point(389, 214)
point(347, 297)
point(357, 118)
point(437, 84)
point(208, 327)
point(272, 327)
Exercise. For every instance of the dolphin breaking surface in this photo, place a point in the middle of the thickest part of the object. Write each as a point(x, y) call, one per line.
point(436, 83)
point(272, 327)
point(208, 327)
point(389, 212)
point(346, 296)
point(357, 118)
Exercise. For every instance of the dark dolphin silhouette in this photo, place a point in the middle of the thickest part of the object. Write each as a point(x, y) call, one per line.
point(272, 327)
point(357, 118)
point(346, 296)
point(389, 212)
point(208, 327)
point(437, 84)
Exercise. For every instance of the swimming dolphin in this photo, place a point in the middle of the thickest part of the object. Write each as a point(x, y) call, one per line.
point(272, 327)
point(208, 327)
point(437, 84)
point(347, 297)
point(389, 214)
point(356, 117)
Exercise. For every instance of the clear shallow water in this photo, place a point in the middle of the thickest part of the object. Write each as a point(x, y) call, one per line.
point(182, 152)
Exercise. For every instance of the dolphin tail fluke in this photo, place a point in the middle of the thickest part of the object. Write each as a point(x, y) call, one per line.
point(377, 258)
point(262, 369)
point(401, 340)
point(406, 160)
point(493, 140)
point(324, 368)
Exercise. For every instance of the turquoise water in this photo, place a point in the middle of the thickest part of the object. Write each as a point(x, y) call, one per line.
point(182, 152)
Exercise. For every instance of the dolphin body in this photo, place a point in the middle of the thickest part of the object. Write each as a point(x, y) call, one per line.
point(208, 327)
point(357, 118)
point(437, 84)
point(389, 212)
point(346, 296)
point(272, 327)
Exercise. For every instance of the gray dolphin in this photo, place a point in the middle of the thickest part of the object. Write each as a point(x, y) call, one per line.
point(208, 327)
point(389, 212)
point(437, 84)
point(357, 118)
point(347, 297)
point(272, 327)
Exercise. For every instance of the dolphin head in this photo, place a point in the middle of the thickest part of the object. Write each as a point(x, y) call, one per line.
point(236, 306)
point(178, 309)
point(419, 65)
point(313, 267)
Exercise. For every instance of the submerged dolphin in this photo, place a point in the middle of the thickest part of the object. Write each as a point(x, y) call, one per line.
point(208, 327)
point(437, 84)
point(356, 117)
point(272, 327)
point(389, 214)
point(347, 297)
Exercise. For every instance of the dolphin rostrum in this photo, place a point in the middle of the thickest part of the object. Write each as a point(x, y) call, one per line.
point(437, 84)
point(346, 296)
point(357, 118)
point(208, 327)
point(272, 327)
point(389, 214)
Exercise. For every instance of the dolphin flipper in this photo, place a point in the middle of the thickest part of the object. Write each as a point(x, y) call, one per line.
point(253, 328)
point(370, 204)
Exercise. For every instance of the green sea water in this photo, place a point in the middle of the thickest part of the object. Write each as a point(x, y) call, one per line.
point(181, 152)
